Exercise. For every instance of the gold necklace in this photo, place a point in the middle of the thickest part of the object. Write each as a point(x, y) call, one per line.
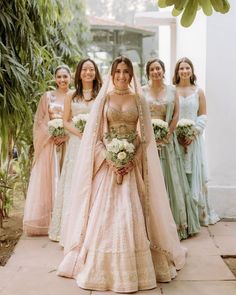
point(121, 91)
point(87, 90)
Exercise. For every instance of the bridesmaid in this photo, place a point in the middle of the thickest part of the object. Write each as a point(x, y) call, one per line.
point(193, 107)
point(164, 105)
point(46, 164)
point(87, 85)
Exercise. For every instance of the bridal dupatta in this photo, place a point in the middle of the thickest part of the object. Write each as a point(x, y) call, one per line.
point(160, 226)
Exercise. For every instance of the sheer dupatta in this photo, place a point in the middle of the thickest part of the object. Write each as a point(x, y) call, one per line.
point(38, 206)
point(40, 129)
point(161, 229)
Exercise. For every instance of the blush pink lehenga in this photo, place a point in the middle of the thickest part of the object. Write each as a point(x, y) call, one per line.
point(120, 237)
point(45, 171)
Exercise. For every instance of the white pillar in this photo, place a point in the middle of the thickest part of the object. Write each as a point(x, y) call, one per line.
point(221, 105)
point(167, 36)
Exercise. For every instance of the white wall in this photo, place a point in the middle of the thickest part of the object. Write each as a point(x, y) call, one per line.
point(191, 42)
point(221, 101)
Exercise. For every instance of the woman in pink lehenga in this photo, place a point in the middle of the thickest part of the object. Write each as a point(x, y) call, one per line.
point(121, 233)
point(48, 156)
point(87, 85)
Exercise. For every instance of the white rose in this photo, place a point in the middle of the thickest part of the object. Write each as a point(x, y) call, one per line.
point(121, 156)
point(80, 117)
point(160, 123)
point(114, 141)
point(185, 122)
point(83, 117)
point(130, 148)
point(55, 123)
point(113, 147)
point(75, 119)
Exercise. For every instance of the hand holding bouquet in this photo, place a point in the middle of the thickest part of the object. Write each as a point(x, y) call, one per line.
point(57, 131)
point(80, 121)
point(161, 130)
point(185, 131)
point(119, 152)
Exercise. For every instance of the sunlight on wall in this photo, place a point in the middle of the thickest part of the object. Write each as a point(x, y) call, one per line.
point(164, 50)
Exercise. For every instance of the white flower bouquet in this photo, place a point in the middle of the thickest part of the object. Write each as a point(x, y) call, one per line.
point(161, 130)
point(80, 121)
point(119, 152)
point(56, 128)
point(185, 129)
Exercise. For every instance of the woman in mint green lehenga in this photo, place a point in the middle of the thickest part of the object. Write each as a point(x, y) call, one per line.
point(164, 105)
point(193, 107)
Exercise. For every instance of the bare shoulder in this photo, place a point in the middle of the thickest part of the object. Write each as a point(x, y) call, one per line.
point(46, 95)
point(67, 101)
point(200, 91)
point(201, 94)
point(71, 92)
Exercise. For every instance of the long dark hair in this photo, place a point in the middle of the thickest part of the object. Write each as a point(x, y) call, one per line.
point(176, 78)
point(97, 82)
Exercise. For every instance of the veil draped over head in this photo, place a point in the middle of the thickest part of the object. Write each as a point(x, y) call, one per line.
point(160, 226)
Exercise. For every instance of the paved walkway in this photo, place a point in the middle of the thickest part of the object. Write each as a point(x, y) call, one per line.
point(32, 268)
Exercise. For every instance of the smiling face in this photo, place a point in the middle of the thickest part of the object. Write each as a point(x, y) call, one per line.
point(62, 78)
point(156, 72)
point(122, 76)
point(87, 73)
point(185, 71)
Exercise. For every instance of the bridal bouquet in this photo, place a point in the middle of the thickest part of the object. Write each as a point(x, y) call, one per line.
point(120, 149)
point(120, 152)
point(161, 130)
point(185, 129)
point(80, 121)
point(56, 128)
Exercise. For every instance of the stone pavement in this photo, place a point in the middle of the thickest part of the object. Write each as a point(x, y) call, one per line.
point(32, 268)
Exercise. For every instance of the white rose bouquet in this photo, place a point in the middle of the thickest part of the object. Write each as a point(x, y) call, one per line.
point(120, 152)
point(161, 130)
point(80, 121)
point(185, 129)
point(56, 128)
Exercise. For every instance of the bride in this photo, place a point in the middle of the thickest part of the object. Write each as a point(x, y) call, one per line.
point(121, 234)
